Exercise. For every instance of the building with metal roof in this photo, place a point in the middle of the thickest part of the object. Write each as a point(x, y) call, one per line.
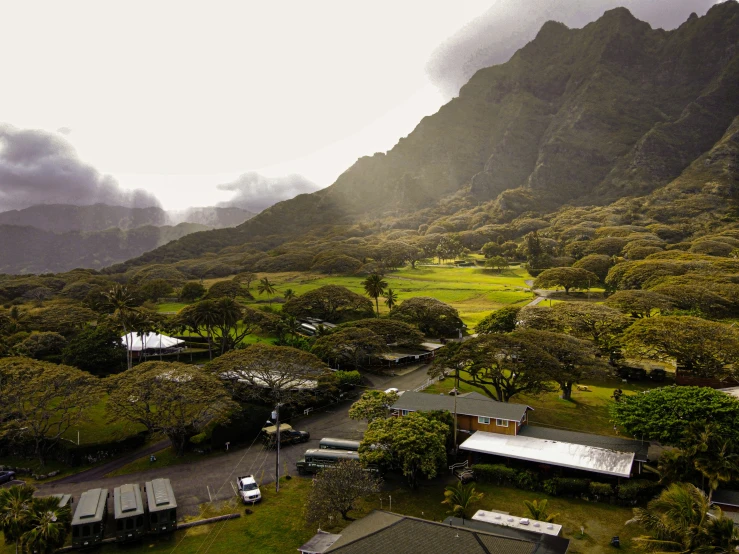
point(607, 461)
point(162, 505)
point(639, 448)
point(522, 523)
point(128, 511)
point(88, 523)
point(64, 499)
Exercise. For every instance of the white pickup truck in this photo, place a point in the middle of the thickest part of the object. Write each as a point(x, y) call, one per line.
point(248, 489)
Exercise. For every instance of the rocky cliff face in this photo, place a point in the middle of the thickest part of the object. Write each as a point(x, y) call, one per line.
point(577, 116)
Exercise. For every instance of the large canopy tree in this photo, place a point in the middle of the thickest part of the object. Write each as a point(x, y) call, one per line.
point(501, 366)
point(503, 320)
point(639, 303)
point(353, 345)
point(577, 358)
point(332, 303)
point(567, 278)
point(272, 373)
point(666, 414)
point(432, 316)
point(390, 330)
point(172, 398)
point(415, 444)
point(40, 401)
point(704, 348)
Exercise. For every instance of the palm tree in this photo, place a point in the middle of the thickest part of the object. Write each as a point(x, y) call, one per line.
point(375, 286)
point(537, 509)
point(718, 466)
point(679, 520)
point(288, 294)
point(460, 497)
point(266, 287)
point(229, 313)
point(206, 315)
point(49, 526)
point(15, 505)
point(123, 305)
point(391, 298)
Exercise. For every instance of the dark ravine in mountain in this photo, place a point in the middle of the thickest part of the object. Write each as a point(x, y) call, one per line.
point(579, 116)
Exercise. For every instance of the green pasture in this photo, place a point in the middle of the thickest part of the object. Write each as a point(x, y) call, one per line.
point(588, 411)
point(475, 292)
point(98, 428)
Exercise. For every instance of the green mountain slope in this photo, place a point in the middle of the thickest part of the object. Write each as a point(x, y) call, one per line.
point(580, 116)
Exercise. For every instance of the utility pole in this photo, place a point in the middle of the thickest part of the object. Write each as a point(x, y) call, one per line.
point(277, 458)
point(456, 391)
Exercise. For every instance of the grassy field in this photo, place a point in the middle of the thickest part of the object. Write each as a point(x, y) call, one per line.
point(475, 292)
point(164, 457)
point(97, 427)
point(586, 412)
point(277, 523)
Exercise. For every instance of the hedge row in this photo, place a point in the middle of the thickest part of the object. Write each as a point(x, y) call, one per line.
point(629, 492)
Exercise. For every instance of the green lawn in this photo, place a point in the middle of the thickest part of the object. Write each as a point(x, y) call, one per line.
point(475, 292)
point(171, 306)
point(97, 427)
point(588, 411)
point(277, 523)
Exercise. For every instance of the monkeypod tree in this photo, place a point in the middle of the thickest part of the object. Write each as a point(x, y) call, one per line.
point(703, 348)
point(500, 365)
point(176, 399)
point(567, 278)
point(270, 373)
point(431, 316)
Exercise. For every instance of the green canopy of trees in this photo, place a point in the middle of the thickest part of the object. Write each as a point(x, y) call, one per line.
point(431, 316)
point(332, 303)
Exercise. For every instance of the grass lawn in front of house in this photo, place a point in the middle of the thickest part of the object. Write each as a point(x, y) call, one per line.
point(587, 412)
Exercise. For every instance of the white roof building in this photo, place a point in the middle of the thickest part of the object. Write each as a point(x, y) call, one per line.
point(136, 342)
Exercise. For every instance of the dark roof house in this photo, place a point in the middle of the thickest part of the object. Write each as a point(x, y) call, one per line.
point(473, 404)
point(382, 531)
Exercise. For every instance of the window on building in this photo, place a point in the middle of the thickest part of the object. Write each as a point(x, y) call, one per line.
point(483, 420)
point(404, 412)
point(501, 422)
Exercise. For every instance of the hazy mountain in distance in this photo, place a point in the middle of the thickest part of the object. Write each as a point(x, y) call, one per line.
point(62, 218)
point(211, 216)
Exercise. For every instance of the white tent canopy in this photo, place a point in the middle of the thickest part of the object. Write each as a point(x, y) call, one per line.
point(136, 342)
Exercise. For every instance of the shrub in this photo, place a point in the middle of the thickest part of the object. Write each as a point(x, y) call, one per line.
point(567, 486)
point(501, 474)
point(638, 489)
point(600, 489)
point(344, 378)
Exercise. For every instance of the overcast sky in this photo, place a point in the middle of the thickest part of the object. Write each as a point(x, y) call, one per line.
point(209, 102)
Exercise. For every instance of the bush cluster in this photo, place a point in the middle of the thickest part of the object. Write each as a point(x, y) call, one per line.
point(629, 492)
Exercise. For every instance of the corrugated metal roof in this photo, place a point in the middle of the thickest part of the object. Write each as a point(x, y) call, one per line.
point(639, 448)
point(558, 453)
point(320, 542)
point(467, 405)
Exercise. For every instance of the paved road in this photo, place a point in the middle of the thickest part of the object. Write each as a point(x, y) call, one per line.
point(211, 478)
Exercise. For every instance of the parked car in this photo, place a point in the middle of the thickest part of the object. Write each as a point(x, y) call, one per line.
point(288, 435)
point(248, 489)
point(6, 476)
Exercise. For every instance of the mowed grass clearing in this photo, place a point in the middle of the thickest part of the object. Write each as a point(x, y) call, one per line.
point(587, 412)
point(475, 292)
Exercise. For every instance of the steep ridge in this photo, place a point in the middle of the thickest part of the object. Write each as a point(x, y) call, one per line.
point(577, 116)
